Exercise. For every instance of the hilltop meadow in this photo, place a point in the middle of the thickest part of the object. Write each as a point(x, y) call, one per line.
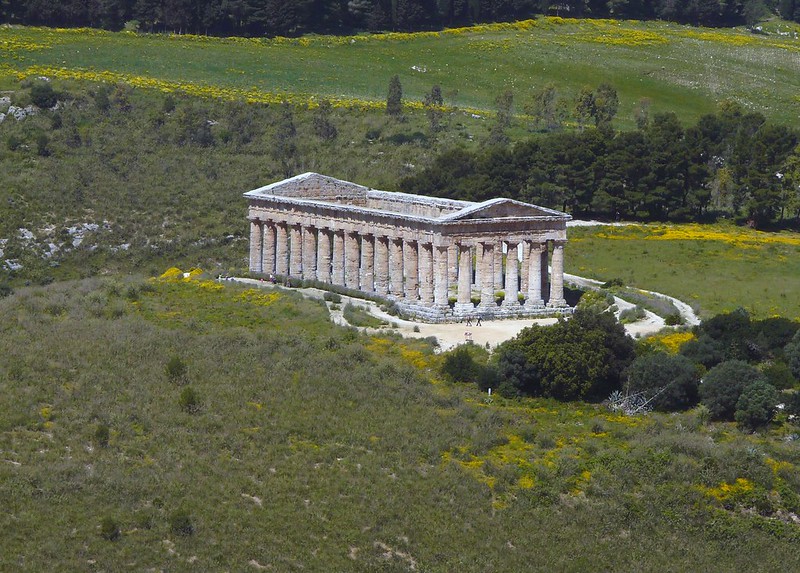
point(188, 425)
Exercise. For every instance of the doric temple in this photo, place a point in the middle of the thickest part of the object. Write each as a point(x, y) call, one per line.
point(438, 259)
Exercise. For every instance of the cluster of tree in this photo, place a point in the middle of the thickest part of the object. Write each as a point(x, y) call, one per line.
point(736, 368)
point(731, 163)
point(576, 359)
point(292, 17)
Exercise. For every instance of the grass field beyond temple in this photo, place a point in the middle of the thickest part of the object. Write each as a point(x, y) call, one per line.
point(682, 69)
point(716, 268)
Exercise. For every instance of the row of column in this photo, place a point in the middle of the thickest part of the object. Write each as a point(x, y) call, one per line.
point(410, 270)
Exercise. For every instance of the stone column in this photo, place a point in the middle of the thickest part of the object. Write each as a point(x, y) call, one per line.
point(382, 265)
point(498, 265)
point(411, 267)
point(324, 255)
point(368, 263)
point(475, 263)
point(256, 245)
point(452, 264)
point(487, 258)
point(296, 251)
point(268, 256)
point(544, 267)
point(524, 274)
point(464, 302)
point(337, 263)
point(425, 254)
point(557, 277)
point(442, 270)
point(534, 270)
point(396, 266)
point(309, 253)
point(351, 259)
point(512, 282)
point(281, 249)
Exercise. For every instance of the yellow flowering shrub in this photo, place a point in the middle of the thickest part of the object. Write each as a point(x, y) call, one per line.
point(730, 493)
point(670, 342)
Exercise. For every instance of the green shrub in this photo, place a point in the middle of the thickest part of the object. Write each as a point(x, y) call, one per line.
point(101, 435)
point(189, 400)
point(176, 370)
point(723, 385)
point(5, 290)
point(779, 375)
point(14, 142)
point(332, 297)
point(670, 380)
point(792, 354)
point(630, 315)
point(673, 319)
point(43, 95)
point(180, 523)
point(756, 406)
point(109, 529)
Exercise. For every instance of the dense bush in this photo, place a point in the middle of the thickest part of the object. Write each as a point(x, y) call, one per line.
point(792, 354)
point(180, 523)
point(580, 358)
point(176, 370)
point(189, 400)
point(109, 529)
point(460, 365)
point(670, 380)
point(723, 385)
point(756, 406)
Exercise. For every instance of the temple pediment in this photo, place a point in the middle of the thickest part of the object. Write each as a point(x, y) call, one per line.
point(503, 209)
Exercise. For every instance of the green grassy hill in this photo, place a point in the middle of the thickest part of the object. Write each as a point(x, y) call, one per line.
point(682, 69)
point(316, 448)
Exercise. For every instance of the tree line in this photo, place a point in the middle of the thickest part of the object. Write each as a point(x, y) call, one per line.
point(295, 17)
point(730, 163)
point(745, 366)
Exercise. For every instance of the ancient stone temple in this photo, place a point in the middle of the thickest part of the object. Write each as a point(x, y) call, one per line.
point(438, 259)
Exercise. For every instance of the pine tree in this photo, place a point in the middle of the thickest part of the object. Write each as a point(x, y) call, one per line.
point(394, 99)
point(433, 108)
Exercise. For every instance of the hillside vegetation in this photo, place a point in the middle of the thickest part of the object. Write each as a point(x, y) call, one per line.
point(680, 69)
point(183, 424)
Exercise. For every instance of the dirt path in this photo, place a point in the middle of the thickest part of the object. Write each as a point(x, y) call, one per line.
point(491, 332)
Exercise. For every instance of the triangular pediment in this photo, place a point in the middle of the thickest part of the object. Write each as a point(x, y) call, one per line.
point(503, 209)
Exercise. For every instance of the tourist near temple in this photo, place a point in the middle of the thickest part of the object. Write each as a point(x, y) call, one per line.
point(420, 252)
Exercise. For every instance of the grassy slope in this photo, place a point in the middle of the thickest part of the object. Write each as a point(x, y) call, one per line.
point(716, 268)
point(680, 69)
point(351, 450)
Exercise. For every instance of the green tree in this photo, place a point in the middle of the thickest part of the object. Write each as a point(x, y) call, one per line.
point(723, 385)
point(323, 127)
point(394, 98)
point(606, 104)
point(547, 109)
point(670, 380)
point(497, 133)
point(584, 107)
point(433, 108)
point(756, 406)
point(792, 354)
point(284, 146)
